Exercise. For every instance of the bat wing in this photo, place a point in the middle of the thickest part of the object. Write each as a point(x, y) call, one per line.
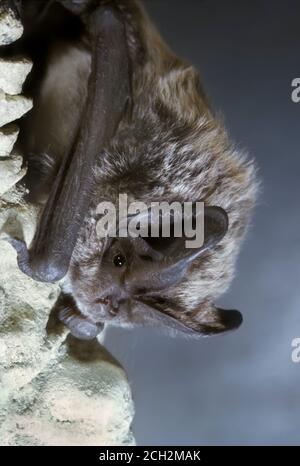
point(108, 93)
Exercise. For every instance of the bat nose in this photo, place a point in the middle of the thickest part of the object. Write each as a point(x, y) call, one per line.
point(113, 302)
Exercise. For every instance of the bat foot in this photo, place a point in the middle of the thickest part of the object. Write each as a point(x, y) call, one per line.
point(65, 312)
point(85, 330)
point(79, 326)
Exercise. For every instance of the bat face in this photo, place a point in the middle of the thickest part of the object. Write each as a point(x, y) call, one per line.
point(126, 270)
point(126, 282)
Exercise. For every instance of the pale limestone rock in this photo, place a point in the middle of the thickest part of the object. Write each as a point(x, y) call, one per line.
point(11, 28)
point(15, 195)
point(11, 171)
point(13, 74)
point(8, 137)
point(54, 389)
point(13, 107)
point(82, 398)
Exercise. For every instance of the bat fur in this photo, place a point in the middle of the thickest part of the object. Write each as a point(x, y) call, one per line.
point(170, 146)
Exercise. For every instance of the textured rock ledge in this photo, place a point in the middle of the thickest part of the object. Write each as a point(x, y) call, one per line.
point(8, 137)
point(12, 74)
point(10, 28)
point(54, 390)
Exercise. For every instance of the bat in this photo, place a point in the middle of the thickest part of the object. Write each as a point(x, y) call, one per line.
point(115, 111)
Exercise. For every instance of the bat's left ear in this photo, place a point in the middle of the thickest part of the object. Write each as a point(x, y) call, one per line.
point(171, 254)
point(182, 249)
point(215, 321)
point(206, 320)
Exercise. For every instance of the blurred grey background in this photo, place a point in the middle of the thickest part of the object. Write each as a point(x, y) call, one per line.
point(242, 388)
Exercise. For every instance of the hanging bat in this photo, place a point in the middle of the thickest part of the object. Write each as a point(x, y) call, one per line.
point(115, 111)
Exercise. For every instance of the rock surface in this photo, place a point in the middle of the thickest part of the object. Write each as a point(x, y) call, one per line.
point(10, 28)
point(11, 172)
point(8, 137)
point(13, 74)
point(13, 107)
point(54, 389)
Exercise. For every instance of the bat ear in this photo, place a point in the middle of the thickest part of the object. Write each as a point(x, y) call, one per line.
point(216, 321)
point(172, 255)
point(187, 236)
point(207, 320)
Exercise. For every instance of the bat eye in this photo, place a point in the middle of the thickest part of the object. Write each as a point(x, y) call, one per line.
point(119, 260)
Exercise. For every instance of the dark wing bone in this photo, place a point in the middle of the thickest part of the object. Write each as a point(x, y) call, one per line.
point(108, 92)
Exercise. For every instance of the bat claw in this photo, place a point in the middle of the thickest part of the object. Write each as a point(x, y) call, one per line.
point(79, 326)
point(22, 253)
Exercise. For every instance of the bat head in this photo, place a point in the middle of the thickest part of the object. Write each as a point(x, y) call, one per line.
point(171, 148)
point(127, 282)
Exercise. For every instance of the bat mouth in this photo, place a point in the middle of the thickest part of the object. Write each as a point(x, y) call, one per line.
point(108, 93)
point(112, 309)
